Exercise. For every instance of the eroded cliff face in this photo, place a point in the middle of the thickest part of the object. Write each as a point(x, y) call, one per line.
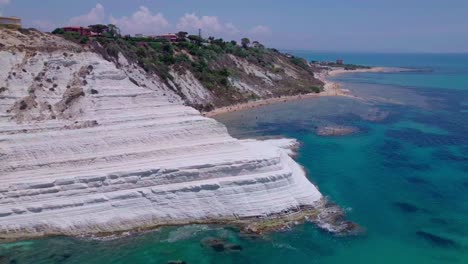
point(214, 73)
point(86, 147)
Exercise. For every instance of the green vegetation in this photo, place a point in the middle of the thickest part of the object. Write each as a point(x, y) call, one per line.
point(345, 66)
point(350, 66)
point(300, 62)
point(200, 56)
point(72, 36)
point(58, 31)
point(245, 43)
point(208, 60)
point(355, 66)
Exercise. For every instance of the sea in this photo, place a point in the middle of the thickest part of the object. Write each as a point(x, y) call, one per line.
point(403, 176)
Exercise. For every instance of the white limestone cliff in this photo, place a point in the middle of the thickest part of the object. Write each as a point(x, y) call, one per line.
point(83, 150)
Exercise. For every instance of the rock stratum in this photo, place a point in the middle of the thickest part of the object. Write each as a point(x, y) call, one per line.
point(84, 150)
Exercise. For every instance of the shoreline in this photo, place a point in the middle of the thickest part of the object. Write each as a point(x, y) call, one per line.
point(330, 89)
point(326, 215)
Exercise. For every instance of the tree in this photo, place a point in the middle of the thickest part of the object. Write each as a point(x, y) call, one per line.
point(195, 39)
point(58, 31)
point(257, 44)
point(167, 48)
point(233, 42)
point(181, 35)
point(99, 28)
point(219, 42)
point(113, 30)
point(245, 43)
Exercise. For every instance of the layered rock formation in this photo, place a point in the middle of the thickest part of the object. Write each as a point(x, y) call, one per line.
point(86, 147)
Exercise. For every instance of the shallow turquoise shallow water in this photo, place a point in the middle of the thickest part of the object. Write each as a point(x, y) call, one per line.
point(403, 177)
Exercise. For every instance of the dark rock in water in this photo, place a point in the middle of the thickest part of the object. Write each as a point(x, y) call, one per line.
point(391, 146)
point(336, 130)
point(423, 139)
point(176, 262)
point(215, 243)
point(332, 219)
point(436, 195)
point(444, 154)
point(416, 180)
point(375, 115)
point(220, 245)
point(436, 240)
point(400, 161)
point(419, 167)
point(250, 236)
point(439, 221)
point(233, 247)
point(406, 207)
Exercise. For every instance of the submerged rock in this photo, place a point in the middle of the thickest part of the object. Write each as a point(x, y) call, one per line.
point(233, 247)
point(436, 239)
point(332, 219)
point(215, 243)
point(336, 130)
point(176, 262)
point(406, 207)
point(439, 221)
point(326, 215)
point(220, 245)
point(375, 115)
point(417, 180)
point(465, 183)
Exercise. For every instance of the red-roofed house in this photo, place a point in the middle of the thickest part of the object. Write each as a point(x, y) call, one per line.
point(168, 37)
point(83, 31)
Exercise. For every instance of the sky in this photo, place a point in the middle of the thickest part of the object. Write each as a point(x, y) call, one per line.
point(318, 25)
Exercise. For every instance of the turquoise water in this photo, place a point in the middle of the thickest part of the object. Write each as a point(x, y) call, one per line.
point(403, 177)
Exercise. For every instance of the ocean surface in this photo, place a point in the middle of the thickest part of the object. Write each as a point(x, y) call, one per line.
point(403, 177)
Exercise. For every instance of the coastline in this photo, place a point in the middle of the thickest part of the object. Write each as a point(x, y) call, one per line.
point(97, 164)
point(326, 215)
point(330, 89)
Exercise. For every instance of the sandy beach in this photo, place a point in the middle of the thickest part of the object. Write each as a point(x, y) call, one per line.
point(330, 89)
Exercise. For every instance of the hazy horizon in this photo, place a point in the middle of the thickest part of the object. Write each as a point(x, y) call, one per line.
point(328, 26)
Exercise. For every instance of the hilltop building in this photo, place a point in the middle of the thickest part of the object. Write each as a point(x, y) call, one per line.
point(10, 22)
point(339, 61)
point(83, 31)
point(168, 37)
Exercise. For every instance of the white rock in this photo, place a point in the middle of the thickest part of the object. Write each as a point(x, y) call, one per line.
point(145, 161)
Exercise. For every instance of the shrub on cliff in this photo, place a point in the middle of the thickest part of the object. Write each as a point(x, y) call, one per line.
point(58, 31)
point(245, 43)
point(84, 40)
point(300, 62)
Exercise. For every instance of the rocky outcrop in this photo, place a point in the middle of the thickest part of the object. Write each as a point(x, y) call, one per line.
point(336, 130)
point(95, 149)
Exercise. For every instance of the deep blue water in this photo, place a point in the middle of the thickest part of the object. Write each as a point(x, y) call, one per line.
point(403, 177)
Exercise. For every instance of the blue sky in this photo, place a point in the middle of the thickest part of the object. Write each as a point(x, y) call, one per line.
point(325, 25)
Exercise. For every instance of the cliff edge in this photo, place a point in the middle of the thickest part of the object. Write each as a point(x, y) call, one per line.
point(92, 146)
